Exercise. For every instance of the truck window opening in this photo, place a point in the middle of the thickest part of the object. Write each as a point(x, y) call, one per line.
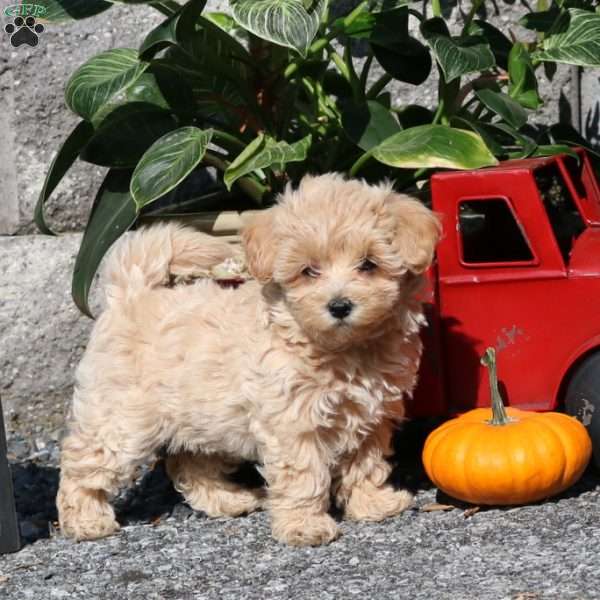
point(490, 232)
point(567, 224)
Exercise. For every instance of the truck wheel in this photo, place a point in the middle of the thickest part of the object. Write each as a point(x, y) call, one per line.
point(582, 399)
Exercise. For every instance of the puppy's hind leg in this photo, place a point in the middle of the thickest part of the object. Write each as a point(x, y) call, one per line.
point(88, 475)
point(203, 481)
point(92, 471)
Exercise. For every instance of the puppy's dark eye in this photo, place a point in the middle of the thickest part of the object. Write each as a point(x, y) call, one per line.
point(367, 265)
point(310, 272)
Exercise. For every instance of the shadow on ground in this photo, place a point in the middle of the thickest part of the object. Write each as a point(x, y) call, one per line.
point(153, 498)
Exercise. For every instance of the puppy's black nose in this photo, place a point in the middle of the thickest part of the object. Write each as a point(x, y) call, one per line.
point(340, 307)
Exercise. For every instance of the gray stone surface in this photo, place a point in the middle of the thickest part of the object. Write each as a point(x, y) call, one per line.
point(590, 105)
point(42, 334)
point(546, 551)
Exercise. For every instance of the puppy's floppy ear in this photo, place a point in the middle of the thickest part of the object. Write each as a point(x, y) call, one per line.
point(259, 242)
point(417, 231)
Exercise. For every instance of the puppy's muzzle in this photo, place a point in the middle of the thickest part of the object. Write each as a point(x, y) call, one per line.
point(340, 308)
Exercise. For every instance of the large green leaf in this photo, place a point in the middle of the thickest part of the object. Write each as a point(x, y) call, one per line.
point(214, 50)
point(212, 63)
point(112, 214)
point(58, 11)
point(166, 33)
point(504, 106)
point(400, 55)
point(61, 163)
point(578, 45)
point(499, 44)
point(523, 82)
point(408, 60)
point(217, 97)
point(126, 133)
point(167, 162)
point(264, 152)
point(526, 145)
point(145, 89)
point(367, 125)
point(102, 77)
point(161, 85)
point(284, 22)
point(412, 115)
point(430, 146)
point(162, 36)
point(545, 20)
point(456, 56)
point(479, 128)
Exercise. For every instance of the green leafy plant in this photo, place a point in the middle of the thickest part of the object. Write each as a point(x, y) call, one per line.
point(274, 90)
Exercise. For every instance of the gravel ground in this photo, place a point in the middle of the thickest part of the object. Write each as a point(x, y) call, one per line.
point(166, 551)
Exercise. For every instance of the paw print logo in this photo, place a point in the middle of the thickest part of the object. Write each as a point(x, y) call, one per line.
point(24, 31)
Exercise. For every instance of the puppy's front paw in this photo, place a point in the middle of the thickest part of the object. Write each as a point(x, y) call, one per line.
point(371, 503)
point(301, 528)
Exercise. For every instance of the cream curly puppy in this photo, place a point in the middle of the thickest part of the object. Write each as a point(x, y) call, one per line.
point(303, 369)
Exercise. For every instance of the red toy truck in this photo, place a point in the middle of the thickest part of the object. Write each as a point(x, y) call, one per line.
point(518, 268)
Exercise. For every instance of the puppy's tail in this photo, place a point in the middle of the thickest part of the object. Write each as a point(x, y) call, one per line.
point(148, 257)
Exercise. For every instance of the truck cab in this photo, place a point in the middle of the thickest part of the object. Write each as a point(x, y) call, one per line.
point(518, 268)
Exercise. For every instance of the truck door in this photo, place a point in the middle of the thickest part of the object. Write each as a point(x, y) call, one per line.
point(502, 276)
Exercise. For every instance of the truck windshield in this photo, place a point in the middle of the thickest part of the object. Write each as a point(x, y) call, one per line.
point(567, 224)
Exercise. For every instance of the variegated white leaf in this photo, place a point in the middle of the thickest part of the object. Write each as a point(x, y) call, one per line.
point(167, 162)
point(578, 45)
point(265, 152)
point(100, 78)
point(283, 22)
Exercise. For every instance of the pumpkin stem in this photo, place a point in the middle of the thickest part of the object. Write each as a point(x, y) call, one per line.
point(499, 416)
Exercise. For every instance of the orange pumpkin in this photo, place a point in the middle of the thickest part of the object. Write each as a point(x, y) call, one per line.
point(515, 457)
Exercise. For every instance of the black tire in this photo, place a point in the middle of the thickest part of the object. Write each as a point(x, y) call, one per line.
point(582, 399)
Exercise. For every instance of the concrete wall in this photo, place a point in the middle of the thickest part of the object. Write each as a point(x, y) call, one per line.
point(41, 333)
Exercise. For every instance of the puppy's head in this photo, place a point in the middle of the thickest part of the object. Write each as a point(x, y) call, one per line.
point(342, 253)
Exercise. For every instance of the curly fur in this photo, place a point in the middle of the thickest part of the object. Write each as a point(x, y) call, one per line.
point(263, 372)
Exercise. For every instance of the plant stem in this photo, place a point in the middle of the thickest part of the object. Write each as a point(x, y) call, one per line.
point(436, 8)
point(253, 188)
point(364, 74)
point(166, 7)
point(499, 416)
point(315, 48)
point(469, 18)
point(341, 65)
point(227, 137)
point(323, 42)
point(402, 183)
point(359, 163)
point(378, 86)
point(439, 112)
point(351, 16)
point(357, 89)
